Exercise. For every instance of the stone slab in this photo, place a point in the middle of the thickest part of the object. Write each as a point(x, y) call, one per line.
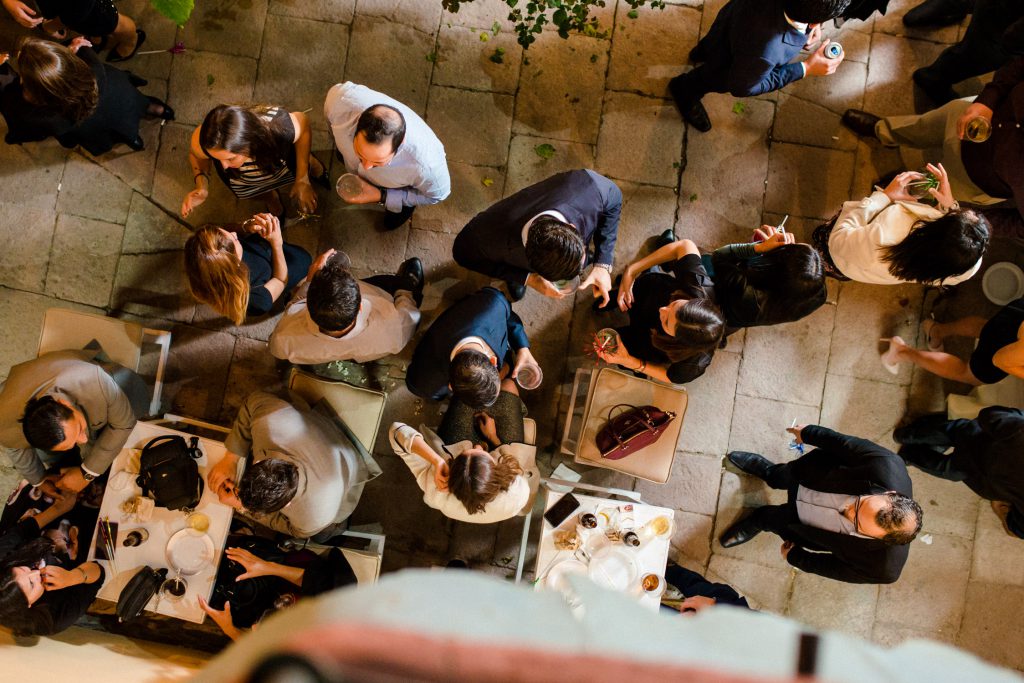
point(391, 58)
point(889, 90)
point(891, 23)
point(708, 214)
point(863, 408)
point(807, 181)
point(738, 495)
point(990, 624)
point(759, 424)
point(692, 485)
point(333, 11)
point(228, 27)
point(647, 211)
point(996, 556)
point(866, 313)
point(197, 371)
point(836, 93)
point(136, 169)
point(424, 16)
point(691, 539)
point(89, 191)
point(651, 49)
point(202, 80)
point(252, 369)
point(787, 362)
point(474, 126)
point(23, 315)
point(939, 571)
point(84, 258)
point(711, 398)
point(40, 167)
point(763, 590)
point(526, 167)
point(296, 78)
point(640, 140)
point(464, 61)
point(153, 285)
point(27, 235)
point(151, 229)
point(806, 122)
point(560, 88)
point(832, 605)
point(949, 507)
point(474, 188)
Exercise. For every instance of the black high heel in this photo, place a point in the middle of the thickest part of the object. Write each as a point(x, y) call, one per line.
point(112, 56)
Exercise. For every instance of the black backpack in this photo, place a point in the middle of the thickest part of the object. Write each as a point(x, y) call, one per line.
point(168, 472)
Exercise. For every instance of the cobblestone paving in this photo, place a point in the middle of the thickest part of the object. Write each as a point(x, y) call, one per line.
point(103, 234)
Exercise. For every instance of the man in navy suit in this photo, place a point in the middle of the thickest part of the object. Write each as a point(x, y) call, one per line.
point(748, 50)
point(850, 515)
point(540, 235)
point(464, 350)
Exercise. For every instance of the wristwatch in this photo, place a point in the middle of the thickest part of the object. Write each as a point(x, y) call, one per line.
point(87, 475)
point(383, 196)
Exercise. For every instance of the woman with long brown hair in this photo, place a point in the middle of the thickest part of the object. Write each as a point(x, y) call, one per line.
point(674, 323)
point(256, 151)
point(67, 93)
point(243, 276)
point(486, 473)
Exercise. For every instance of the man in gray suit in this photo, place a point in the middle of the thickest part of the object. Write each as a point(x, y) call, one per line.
point(304, 475)
point(56, 408)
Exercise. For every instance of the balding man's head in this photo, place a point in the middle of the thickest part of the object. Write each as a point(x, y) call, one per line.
point(380, 131)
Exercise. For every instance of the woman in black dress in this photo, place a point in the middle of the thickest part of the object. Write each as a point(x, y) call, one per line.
point(43, 590)
point(98, 20)
point(255, 151)
point(67, 93)
point(242, 276)
point(674, 323)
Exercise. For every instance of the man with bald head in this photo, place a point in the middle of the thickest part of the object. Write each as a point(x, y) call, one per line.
point(400, 162)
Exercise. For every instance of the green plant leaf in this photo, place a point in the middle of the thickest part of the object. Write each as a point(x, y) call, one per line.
point(545, 151)
point(499, 55)
point(209, 79)
point(177, 11)
point(738, 108)
point(693, 197)
point(633, 14)
point(484, 37)
point(487, 182)
point(495, 28)
point(432, 56)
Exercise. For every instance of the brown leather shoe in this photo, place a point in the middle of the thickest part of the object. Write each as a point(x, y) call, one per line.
point(861, 122)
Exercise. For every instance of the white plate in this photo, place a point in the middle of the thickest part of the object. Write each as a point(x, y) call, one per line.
point(613, 568)
point(189, 551)
point(1003, 283)
point(556, 575)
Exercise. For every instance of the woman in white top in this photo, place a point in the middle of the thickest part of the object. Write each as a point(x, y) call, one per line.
point(473, 482)
point(890, 237)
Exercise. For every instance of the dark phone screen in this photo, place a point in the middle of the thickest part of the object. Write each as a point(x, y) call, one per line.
point(561, 510)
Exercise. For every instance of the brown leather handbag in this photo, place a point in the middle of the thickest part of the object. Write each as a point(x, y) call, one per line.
point(632, 430)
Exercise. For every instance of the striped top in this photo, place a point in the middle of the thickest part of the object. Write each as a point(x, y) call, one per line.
point(250, 180)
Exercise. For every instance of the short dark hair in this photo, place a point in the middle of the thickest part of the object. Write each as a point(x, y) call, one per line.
point(268, 485)
point(43, 422)
point(333, 297)
point(935, 250)
point(554, 249)
point(895, 518)
point(381, 123)
point(815, 11)
point(474, 379)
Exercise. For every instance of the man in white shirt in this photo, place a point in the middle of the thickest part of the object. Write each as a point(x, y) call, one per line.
point(395, 154)
point(332, 316)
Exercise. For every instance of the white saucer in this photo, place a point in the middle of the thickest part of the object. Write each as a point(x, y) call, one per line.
point(189, 551)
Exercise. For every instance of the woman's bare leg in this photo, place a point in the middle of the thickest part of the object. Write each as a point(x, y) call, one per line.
point(124, 37)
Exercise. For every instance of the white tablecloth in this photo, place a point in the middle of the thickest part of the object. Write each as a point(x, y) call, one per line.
point(651, 557)
point(163, 524)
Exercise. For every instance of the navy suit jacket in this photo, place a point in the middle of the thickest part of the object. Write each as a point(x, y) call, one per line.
point(846, 464)
point(749, 47)
point(486, 314)
point(492, 243)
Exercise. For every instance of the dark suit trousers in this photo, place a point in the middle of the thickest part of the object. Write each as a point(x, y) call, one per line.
point(984, 47)
point(924, 441)
point(700, 81)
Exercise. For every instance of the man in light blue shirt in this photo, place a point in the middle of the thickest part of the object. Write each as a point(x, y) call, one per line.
point(400, 162)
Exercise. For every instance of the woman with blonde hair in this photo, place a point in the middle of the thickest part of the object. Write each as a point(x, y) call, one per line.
point(474, 479)
point(69, 94)
point(243, 276)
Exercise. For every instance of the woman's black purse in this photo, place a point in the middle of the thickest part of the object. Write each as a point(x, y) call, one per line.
point(168, 472)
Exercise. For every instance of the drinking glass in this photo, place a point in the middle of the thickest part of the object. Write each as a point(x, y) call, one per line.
point(978, 129)
point(349, 186)
point(529, 376)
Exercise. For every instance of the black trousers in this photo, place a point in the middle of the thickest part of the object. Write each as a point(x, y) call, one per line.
point(993, 36)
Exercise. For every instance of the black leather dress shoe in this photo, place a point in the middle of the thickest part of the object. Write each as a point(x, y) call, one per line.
point(741, 532)
point(937, 13)
point(751, 463)
point(861, 122)
point(516, 291)
point(697, 116)
point(937, 89)
point(411, 270)
point(665, 238)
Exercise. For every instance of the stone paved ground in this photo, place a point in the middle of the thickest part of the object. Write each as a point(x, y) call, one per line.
point(102, 234)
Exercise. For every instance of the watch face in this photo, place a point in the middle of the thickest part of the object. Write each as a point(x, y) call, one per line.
point(87, 476)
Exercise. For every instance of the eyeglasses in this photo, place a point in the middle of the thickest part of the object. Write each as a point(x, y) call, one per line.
point(856, 514)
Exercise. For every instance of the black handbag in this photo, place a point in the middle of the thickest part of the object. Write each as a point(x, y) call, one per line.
point(137, 592)
point(168, 472)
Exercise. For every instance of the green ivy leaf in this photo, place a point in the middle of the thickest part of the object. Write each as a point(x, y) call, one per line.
point(499, 55)
point(593, 59)
point(675, 164)
point(738, 108)
point(209, 80)
point(633, 14)
point(495, 28)
point(177, 11)
point(484, 37)
point(693, 197)
point(432, 56)
point(544, 151)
